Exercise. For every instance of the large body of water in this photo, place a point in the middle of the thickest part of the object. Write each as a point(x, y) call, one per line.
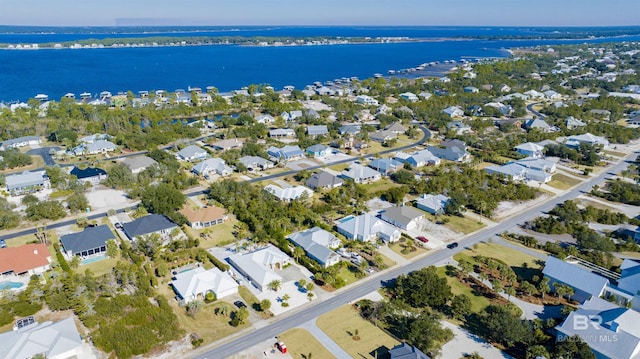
point(25, 73)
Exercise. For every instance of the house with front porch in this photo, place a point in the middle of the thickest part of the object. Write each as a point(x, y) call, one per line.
point(405, 217)
point(260, 266)
point(318, 244)
point(434, 204)
point(91, 241)
point(26, 182)
point(192, 153)
point(318, 150)
point(360, 174)
point(148, 225)
point(367, 228)
point(253, 163)
point(203, 217)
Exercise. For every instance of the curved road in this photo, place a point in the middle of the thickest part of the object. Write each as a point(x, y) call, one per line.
point(536, 113)
point(253, 336)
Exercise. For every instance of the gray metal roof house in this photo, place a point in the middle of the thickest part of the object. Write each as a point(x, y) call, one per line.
point(323, 180)
point(317, 243)
point(26, 182)
point(53, 340)
point(92, 240)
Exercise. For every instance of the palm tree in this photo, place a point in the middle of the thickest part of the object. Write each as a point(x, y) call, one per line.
point(297, 253)
point(510, 291)
point(275, 285)
point(543, 287)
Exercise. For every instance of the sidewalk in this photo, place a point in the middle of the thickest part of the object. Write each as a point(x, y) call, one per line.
point(328, 343)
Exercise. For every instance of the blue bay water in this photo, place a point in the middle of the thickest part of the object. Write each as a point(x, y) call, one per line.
point(25, 73)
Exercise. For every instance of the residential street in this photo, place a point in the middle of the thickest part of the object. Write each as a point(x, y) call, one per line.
point(233, 344)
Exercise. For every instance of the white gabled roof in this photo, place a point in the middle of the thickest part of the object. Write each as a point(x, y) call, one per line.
point(48, 337)
point(199, 281)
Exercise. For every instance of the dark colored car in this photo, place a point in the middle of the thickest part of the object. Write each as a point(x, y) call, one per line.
point(119, 225)
point(239, 304)
point(422, 239)
point(452, 245)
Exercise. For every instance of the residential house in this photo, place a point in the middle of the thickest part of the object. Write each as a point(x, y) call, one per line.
point(93, 148)
point(322, 180)
point(585, 280)
point(609, 330)
point(504, 88)
point(317, 244)
point(259, 266)
point(26, 182)
point(552, 95)
point(539, 164)
point(537, 124)
point(425, 95)
point(286, 153)
point(349, 130)
point(573, 123)
point(59, 340)
point(318, 150)
point(505, 110)
point(434, 204)
point(453, 111)
point(290, 193)
point(418, 159)
point(386, 166)
point(406, 351)
point(534, 95)
point(409, 96)
point(509, 124)
point(459, 127)
point(197, 282)
point(367, 228)
point(139, 163)
point(91, 241)
point(148, 225)
point(511, 171)
point(382, 136)
point(471, 89)
point(192, 153)
point(20, 142)
point(292, 115)
point(92, 175)
point(227, 144)
point(366, 100)
point(282, 132)
point(360, 174)
point(212, 166)
point(634, 121)
point(28, 259)
point(530, 149)
point(405, 217)
point(253, 163)
point(453, 153)
point(265, 118)
point(318, 130)
point(396, 127)
point(203, 217)
point(575, 141)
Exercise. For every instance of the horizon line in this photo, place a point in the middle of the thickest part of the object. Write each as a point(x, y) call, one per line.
point(332, 25)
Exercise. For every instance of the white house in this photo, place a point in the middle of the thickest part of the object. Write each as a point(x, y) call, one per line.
point(260, 266)
point(59, 340)
point(434, 204)
point(574, 141)
point(318, 245)
point(409, 96)
point(289, 194)
point(192, 153)
point(405, 217)
point(366, 100)
point(367, 228)
point(361, 174)
point(210, 166)
point(191, 284)
point(530, 149)
point(453, 111)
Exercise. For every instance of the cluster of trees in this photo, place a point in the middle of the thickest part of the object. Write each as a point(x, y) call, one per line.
point(620, 191)
point(586, 154)
point(12, 158)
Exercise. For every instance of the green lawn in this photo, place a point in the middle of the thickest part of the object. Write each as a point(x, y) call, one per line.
point(348, 274)
point(215, 236)
point(380, 185)
point(478, 301)
point(100, 267)
point(523, 264)
point(397, 247)
point(339, 167)
point(300, 343)
point(563, 182)
point(341, 325)
point(615, 153)
point(457, 224)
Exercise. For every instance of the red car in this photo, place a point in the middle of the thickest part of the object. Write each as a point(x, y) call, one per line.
point(422, 239)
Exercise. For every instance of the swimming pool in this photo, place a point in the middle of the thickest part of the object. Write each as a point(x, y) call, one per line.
point(10, 285)
point(94, 259)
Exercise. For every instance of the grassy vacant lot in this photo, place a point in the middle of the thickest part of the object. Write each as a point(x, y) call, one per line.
point(341, 324)
point(478, 301)
point(300, 343)
point(563, 182)
point(483, 165)
point(339, 167)
point(615, 153)
point(397, 247)
point(381, 185)
point(463, 225)
point(348, 274)
point(524, 265)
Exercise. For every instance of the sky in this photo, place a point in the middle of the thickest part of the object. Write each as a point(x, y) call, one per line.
point(320, 12)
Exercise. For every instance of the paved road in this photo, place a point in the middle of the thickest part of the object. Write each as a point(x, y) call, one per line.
point(536, 113)
point(367, 285)
point(44, 152)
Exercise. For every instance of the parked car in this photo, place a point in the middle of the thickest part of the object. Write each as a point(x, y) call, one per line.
point(452, 245)
point(239, 304)
point(119, 225)
point(344, 253)
point(422, 239)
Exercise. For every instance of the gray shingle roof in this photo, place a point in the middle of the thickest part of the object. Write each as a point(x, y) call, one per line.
point(323, 179)
point(147, 224)
point(90, 238)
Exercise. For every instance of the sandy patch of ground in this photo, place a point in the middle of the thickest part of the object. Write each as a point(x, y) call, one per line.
point(263, 350)
point(301, 164)
point(465, 343)
point(376, 204)
point(334, 158)
point(105, 199)
point(436, 233)
point(316, 105)
point(506, 208)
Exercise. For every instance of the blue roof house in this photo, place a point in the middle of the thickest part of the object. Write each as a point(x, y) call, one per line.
point(386, 166)
point(285, 153)
point(318, 150)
